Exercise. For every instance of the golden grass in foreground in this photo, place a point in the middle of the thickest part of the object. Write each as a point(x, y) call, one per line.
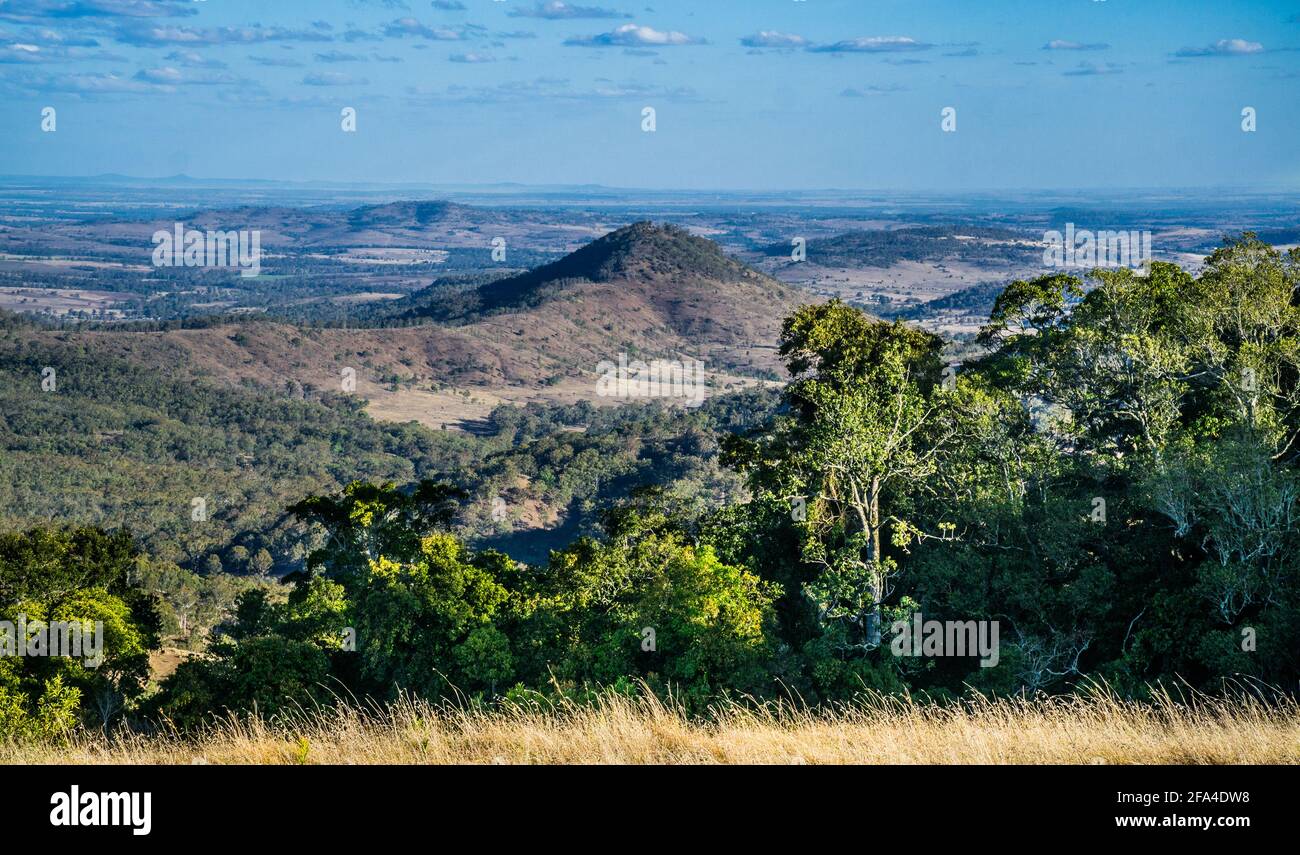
point(1097, 728)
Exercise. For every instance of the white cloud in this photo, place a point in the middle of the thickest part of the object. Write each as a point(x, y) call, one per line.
point(774, 39)
point(634, 35)
point(1224, 47)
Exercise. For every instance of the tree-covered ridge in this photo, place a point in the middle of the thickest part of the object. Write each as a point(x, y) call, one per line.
point(113, 441)
point(886, 247)
point(93, 438)
point(1113, 482)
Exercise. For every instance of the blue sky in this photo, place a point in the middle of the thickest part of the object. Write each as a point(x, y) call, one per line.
point(749, 94)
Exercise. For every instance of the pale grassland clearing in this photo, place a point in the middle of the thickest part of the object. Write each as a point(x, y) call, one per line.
point(468, 408)
point(386, 255)
point(64, 262)
point(58, 301)
point(908, 280)
point(1092, 729)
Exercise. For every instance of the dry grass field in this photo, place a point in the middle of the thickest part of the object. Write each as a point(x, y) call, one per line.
point(1094, 729)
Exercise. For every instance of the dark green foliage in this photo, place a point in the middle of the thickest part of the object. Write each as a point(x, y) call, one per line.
point(117, 444)
point(438, 619)
point(82, 576)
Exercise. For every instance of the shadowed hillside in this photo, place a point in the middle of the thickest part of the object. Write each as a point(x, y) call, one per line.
point(647, 288)
point(641, 255)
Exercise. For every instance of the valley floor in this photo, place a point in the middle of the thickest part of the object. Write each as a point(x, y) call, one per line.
point(1092, 730)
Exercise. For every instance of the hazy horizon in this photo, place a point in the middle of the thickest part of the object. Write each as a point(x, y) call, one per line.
point(91, 180)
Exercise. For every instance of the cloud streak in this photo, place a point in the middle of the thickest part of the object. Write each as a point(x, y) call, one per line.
point(634, 35)
point(1094, 69)
point(774, 39)
point(332, 78)
point(150, 35)
point(548, 88)
point(1064, 44)
point(1223, 47)
point(72, 10)
point(559, 11)
point(403, 27)
point(873, 44)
